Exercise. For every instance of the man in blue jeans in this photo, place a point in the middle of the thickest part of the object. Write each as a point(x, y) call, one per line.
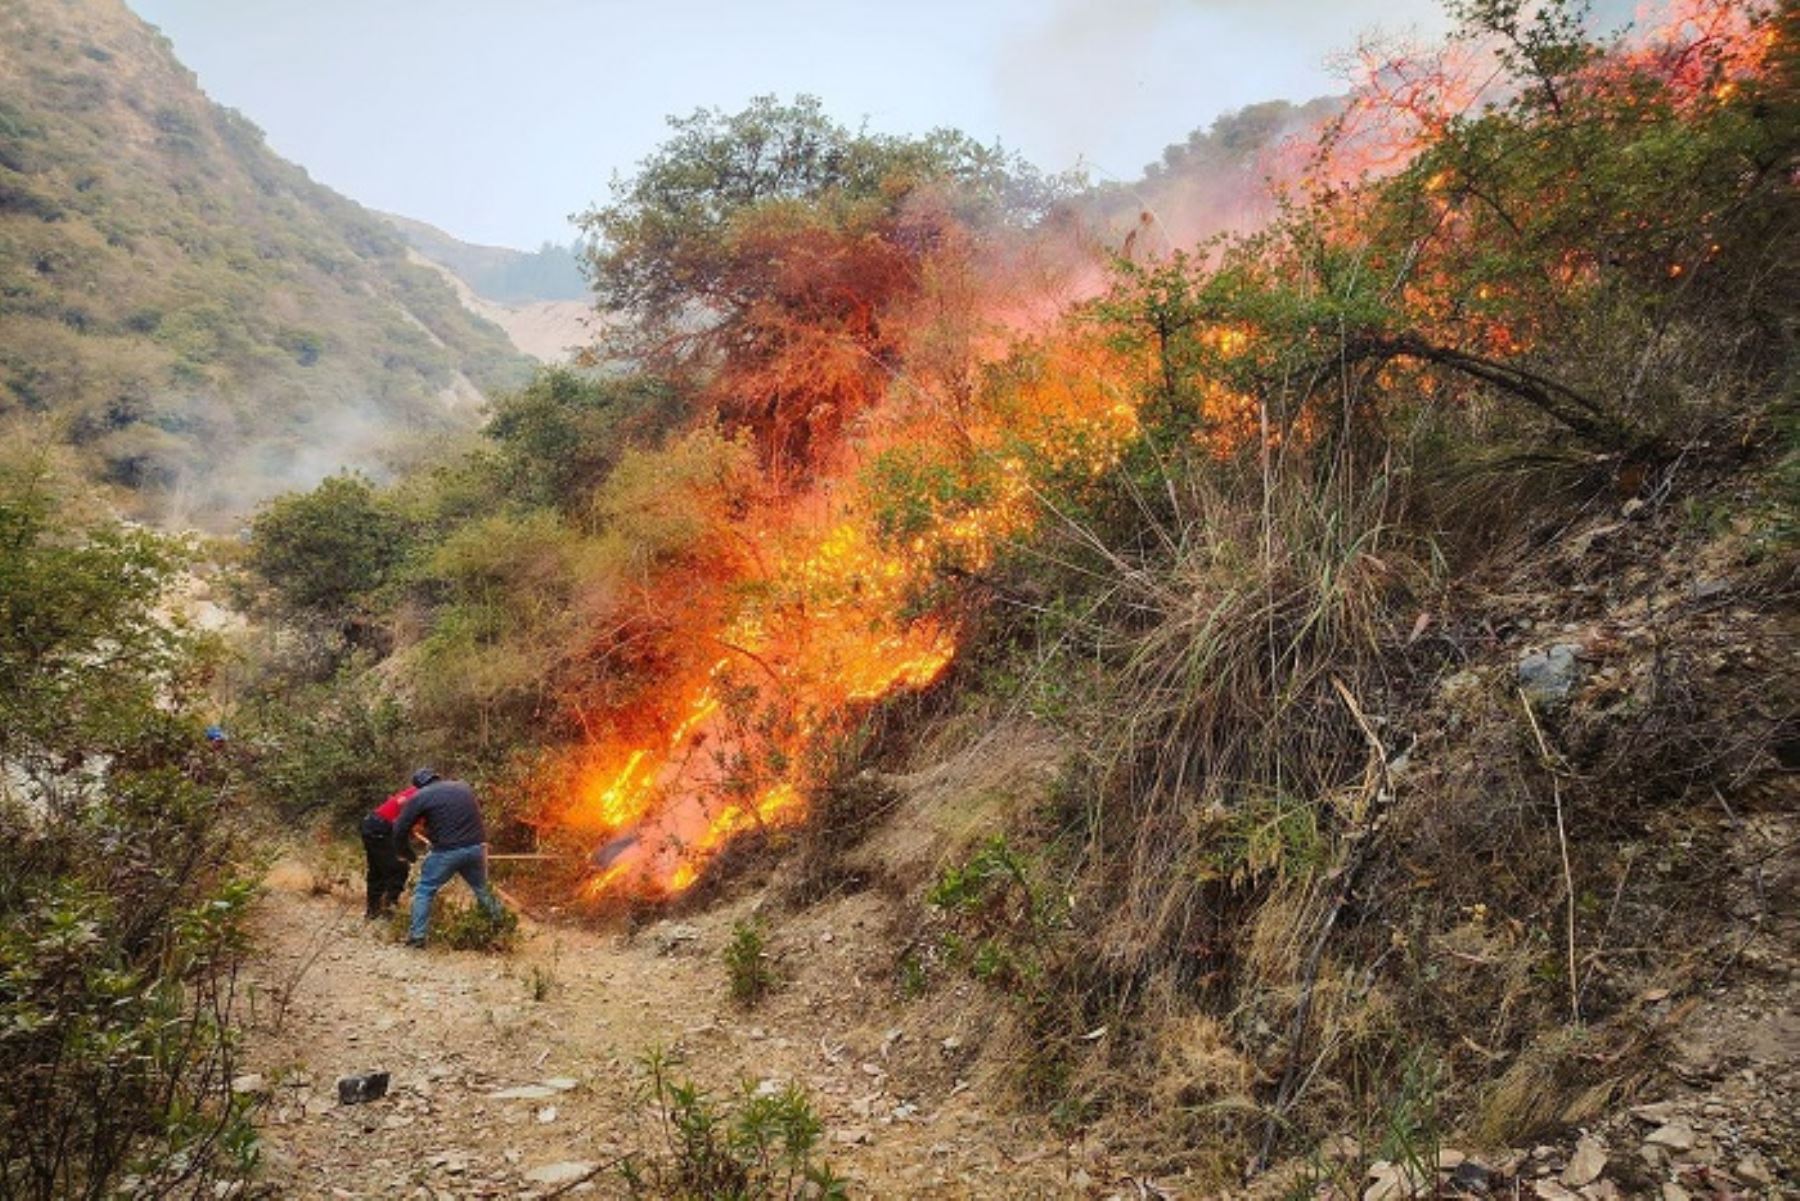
point(458, 846)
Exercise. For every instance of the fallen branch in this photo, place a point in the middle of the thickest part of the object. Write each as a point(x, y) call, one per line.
point(1562, 843)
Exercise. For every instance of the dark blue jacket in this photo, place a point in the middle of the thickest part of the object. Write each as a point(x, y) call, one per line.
point(451, 816)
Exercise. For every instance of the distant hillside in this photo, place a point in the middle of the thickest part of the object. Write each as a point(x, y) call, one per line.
point(499, 273)
point(202, 322)
point(541, 300)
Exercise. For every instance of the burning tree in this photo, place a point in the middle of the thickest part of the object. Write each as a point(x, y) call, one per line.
point(766, 256)
point(1523, 216)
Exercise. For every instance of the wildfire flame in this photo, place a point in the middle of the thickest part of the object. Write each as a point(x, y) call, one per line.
point(822, 616)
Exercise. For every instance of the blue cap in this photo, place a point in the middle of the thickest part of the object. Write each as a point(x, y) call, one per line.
point(215, 733)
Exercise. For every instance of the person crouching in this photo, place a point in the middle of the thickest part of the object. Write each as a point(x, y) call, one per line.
point(458, 840)
point(390, 860)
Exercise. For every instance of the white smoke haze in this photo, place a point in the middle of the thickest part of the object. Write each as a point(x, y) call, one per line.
point(1160, 68)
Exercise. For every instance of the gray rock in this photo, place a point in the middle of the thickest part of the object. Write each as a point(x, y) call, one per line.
point(1548, 677)
point(355, 1090)
point(1471, 1178)
point(566, 1171)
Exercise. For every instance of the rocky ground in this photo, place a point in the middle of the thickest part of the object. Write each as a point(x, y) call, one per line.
point(519, 1075)
point(512, 1076)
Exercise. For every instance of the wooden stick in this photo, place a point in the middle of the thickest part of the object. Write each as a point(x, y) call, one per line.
point(1562, 842)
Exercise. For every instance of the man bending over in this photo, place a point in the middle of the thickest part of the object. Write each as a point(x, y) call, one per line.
point(458, 840)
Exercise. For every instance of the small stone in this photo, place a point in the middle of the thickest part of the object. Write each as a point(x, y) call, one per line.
point(566, 1171)
point(1674, 1192)
point(1548, 677)
point(1676, 1136)
point(1450, 1159)
point(1393, 1182)
point(546, 1115)
point(1586, 1164)
point(356, 1090)
point(249, 1082)
point(1471, 1177)
point(1659, 1114)
point(1601, 1190)
point(1752, 1169)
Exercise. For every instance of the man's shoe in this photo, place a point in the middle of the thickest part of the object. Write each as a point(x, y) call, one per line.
point(417, 944)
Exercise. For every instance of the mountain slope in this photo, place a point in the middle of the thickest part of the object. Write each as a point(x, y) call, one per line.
point(498, 273)
point(540, 299)
point(199, 319)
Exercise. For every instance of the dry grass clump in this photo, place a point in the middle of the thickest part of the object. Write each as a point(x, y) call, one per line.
point(1316, 881)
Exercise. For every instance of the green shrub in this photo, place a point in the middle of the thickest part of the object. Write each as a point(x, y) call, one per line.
point(337, 747)
point(747, 964)
point(761, 1145)
point(469, 928)
point(121, 922)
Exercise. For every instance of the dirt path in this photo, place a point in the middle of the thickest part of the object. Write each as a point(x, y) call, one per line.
point(459, 1030)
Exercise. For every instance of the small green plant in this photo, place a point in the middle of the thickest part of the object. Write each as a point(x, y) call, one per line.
point(469, 928)
point(1000, 921)
point(540, 982)
point(1412, 1133)
point(759, 1146)
point(747, 964)
point(912, 976)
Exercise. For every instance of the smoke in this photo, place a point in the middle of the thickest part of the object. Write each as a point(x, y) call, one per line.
point(1106, 81)
point(232, 467)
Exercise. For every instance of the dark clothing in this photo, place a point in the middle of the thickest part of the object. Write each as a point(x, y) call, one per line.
point(387, 868)
point(448, 809)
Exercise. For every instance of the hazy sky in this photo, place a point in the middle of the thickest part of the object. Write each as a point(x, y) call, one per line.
point(496, 119)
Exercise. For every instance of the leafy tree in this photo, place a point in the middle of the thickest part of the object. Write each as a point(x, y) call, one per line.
point(560, 435)
point(773, 247)
point(120, 925)
point(323, 553)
